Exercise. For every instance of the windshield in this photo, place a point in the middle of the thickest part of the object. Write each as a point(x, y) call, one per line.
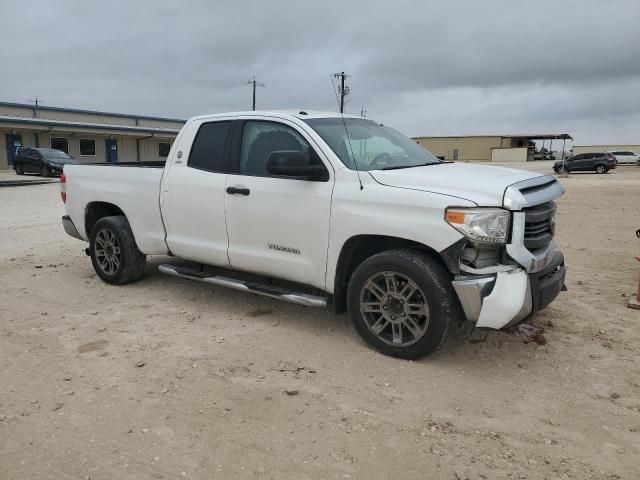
point(53, 154)
point(371, 145)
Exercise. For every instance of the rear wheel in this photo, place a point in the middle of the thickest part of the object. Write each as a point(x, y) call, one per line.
point(45, 172)
point(114, 253)
point(401, 303)
point(601, 169)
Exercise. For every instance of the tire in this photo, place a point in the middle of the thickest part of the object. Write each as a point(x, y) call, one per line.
point(415, 331)
point(601, 169)
point(45, 172)
point(114, 253)
point(19, 169)
point(562, 171)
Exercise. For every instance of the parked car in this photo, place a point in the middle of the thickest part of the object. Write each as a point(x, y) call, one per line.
point(544, 154)
point(599, 162)
point(45, 161)
point(626, 156)
point(320, 209)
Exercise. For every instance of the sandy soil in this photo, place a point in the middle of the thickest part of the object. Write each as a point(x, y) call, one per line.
point(171, 379)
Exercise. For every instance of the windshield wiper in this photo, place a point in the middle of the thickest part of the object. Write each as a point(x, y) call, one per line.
point(398, 167)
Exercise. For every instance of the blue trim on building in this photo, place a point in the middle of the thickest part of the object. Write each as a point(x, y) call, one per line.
point(90, 112)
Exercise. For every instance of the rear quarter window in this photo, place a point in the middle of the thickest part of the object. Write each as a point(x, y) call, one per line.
point(209, 147)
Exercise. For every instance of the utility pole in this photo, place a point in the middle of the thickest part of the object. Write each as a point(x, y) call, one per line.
point(255, 84)
point(34, 112)
point(37, 102)
point(344, 90)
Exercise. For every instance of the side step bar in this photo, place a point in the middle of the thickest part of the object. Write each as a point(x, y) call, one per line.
point(280, 293)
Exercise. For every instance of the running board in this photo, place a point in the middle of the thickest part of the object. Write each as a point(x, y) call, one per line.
point(280, 293)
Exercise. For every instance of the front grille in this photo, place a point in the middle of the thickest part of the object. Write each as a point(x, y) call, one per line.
point(539, 225)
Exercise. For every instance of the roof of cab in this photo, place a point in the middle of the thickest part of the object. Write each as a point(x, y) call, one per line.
point(298, 114)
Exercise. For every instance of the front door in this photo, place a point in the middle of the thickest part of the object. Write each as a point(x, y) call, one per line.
point(277, 226)
point(14, 144)
point(193, 194)
point(111, 155)
point(580, 162)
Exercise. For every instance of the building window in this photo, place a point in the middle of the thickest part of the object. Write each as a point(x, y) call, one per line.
point(87, 147)
point(163, 149)
point(60, 144)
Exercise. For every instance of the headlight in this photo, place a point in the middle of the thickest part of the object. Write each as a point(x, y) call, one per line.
point(480, 225)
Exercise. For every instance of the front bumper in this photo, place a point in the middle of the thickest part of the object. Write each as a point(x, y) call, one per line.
point(503, 299)
point(70, 228)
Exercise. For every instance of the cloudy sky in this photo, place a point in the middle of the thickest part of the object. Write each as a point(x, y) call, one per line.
point(426, 68)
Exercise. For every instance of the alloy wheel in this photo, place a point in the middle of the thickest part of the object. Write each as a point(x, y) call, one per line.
point(107, 251)
point(394, 308)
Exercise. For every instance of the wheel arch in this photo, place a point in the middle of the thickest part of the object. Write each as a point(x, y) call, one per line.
point(94, 211)
point(361, 247)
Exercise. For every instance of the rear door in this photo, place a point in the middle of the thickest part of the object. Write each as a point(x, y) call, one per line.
point(278, 226)
point(595, 159)
point(192, 193)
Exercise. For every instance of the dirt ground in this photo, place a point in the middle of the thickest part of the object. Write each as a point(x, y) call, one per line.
point(167, 378)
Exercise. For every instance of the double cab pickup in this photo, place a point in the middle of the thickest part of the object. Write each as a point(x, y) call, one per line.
point(321, 210)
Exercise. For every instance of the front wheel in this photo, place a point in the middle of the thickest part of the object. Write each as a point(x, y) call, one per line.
point(114, 253)
point(562, 170)
point(402, 303)
point(19, 169)
point(601, 169)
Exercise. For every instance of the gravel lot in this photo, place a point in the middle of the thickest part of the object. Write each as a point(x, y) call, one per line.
point(167, 378)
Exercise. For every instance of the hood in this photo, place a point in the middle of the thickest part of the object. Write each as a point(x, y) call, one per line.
point(481, 184)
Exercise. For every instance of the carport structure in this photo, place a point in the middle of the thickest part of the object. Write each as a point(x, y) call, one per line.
point(551, 137)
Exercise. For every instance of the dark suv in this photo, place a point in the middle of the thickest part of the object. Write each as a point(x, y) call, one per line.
point(599, 162)
point(45, 161)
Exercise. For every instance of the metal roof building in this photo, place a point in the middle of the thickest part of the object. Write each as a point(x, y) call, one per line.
point(491, 148)
point(87, 135)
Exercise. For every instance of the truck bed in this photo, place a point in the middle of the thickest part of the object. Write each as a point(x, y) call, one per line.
point(134, 189)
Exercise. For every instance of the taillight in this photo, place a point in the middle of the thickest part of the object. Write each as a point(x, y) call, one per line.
point(63, 188)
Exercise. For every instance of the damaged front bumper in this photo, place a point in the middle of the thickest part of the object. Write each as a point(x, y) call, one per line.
point(506, 298)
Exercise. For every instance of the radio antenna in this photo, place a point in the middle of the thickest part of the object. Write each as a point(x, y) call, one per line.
point(343, 93)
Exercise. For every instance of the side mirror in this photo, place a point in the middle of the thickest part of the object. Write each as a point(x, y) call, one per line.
point(292, 163)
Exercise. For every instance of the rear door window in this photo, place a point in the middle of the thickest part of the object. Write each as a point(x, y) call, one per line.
point(209, 147)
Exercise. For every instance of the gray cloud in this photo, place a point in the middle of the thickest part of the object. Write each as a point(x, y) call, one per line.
point(423, 67)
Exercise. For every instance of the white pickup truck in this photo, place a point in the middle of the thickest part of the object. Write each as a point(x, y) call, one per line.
point(319, 209)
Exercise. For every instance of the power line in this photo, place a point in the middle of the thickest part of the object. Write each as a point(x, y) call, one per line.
point(255, 84)
point(344, 90)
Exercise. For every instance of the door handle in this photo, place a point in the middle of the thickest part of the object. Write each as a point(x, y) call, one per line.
point(238, 190)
